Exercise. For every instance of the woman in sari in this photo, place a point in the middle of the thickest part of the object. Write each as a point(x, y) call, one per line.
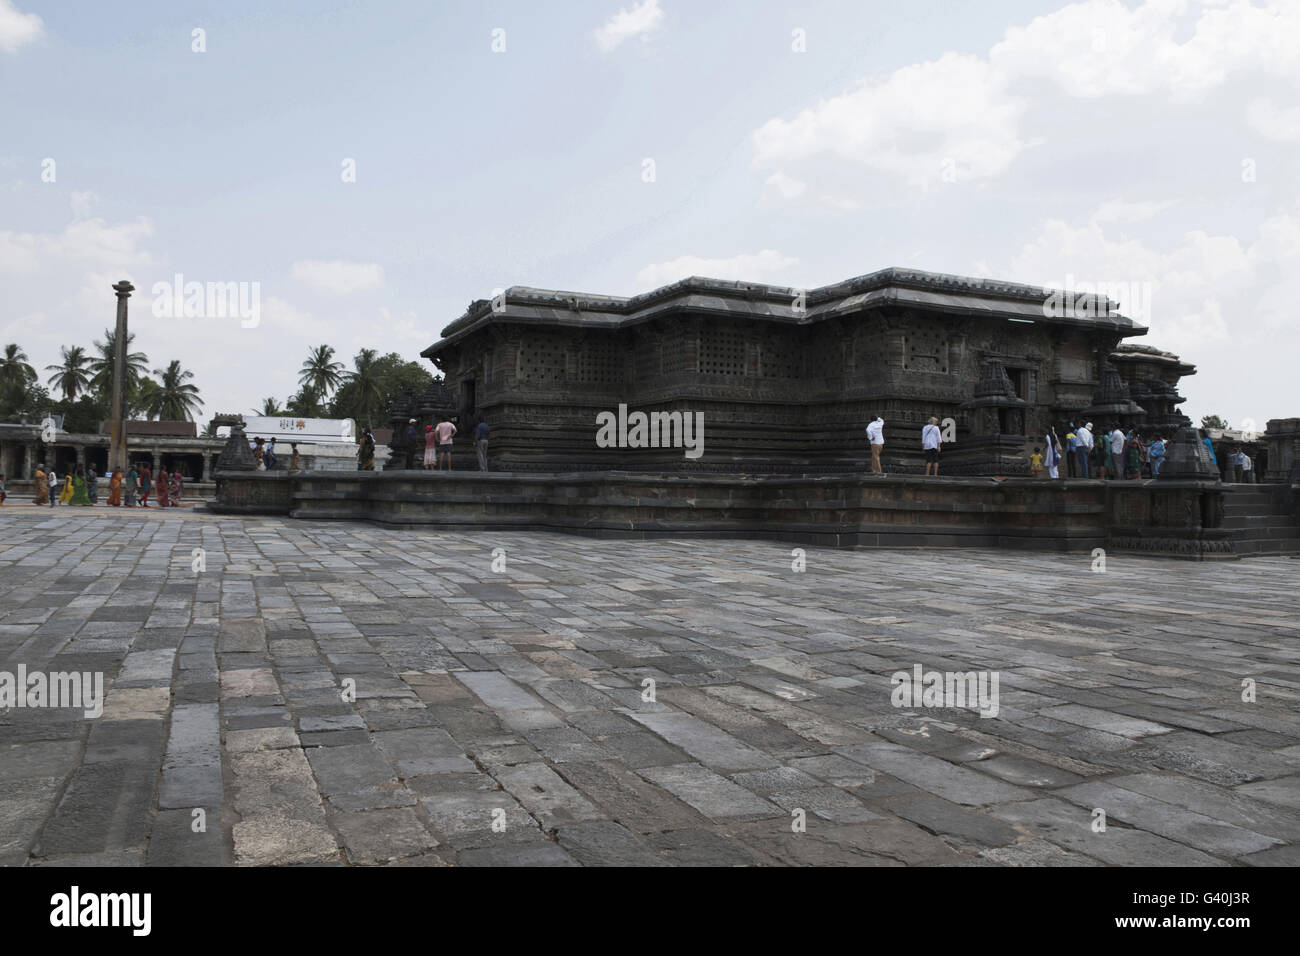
point(161, 487)
point(40, 487)
point(79, 496)
point(146, 485)
point(132, 483)
point(66, 494)
point(176, 486)
point(115, 488)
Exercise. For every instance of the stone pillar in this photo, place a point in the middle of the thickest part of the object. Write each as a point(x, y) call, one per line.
point(207, 467)
point(81, 455)
point(157, 461)
point(29, 466)
point(117, 419)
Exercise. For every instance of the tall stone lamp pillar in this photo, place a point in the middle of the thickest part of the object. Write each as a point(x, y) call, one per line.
point(117, 428)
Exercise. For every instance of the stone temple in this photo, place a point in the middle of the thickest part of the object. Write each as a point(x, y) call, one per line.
point(788, 379)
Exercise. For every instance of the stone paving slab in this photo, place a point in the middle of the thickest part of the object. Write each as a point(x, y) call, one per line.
point(332, 693)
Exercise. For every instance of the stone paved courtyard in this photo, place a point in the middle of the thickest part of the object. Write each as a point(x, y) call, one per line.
point(499, 716)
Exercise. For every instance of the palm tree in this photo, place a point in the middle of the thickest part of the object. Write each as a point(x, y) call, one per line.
point(176, 399)
point(366, 384)
point(307, 403)
point(101, 367)
point(322, 374)
point(270, 408)
point(70, 377)
point(14, 370)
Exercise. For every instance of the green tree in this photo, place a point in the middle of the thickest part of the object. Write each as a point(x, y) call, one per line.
point(176, 399)
point(1213, 421)
point(270, 408)
point(101, 366)
point(17, 379)
point(393, 375)
point(72, 376)
point(306, 403)
point(320, 371)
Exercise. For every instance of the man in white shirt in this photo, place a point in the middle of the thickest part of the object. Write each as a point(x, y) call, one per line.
point(930, 444)
point(1116, 467)
point(876, 435)
point(1083, 448)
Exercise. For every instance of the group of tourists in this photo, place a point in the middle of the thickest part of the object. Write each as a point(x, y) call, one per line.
point(264, 454)
point(437, 441)
point(131, 490)
point(1112, 454)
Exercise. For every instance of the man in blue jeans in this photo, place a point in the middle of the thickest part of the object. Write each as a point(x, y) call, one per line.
point(1083, 449)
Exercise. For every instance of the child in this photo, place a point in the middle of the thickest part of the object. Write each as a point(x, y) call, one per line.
point(1036, 463)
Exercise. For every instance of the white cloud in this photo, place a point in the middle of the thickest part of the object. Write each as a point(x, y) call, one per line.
point(781, 186)
point(82, 203)
point(948, 115)
point(1205, 290)
point(640, 20)
point(1274, 122)
point(753, 267)
point(84, 242)
point(959, 117)
point(1117, 210)
point(17, 28)
point(338, 278)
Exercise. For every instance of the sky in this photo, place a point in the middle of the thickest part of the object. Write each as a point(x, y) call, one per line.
point(368, 169)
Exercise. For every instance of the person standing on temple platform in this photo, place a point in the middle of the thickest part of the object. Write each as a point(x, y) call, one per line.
point(79, 496)
point(1116, 463)
point(481, 444)
point(293, 458)
point(1036, 463)
point(132, 483)
point(162, 487)
point(876, 435)
point(92, 485)
point(1156, 452)
point(1133, 452)
point(269, 455)
point(430, 448)
point(444, 433)
point(1053, 459)
point(931, 442)
point(366, 451)
point(1071, 443)
point(1083, 448)
point(40, 486)
point(115, 488)
point(1205, 439)
point(259, 454)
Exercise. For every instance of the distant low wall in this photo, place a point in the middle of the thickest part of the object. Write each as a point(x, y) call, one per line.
point(1173, 518)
